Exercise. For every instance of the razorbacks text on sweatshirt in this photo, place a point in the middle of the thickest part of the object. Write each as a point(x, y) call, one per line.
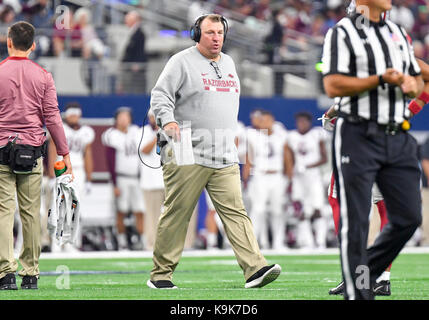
point(196, 93)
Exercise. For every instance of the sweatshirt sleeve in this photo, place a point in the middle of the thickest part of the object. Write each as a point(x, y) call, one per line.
point(165, 92)
point(52, 117)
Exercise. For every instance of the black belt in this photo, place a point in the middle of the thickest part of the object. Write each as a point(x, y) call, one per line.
point(392, 128)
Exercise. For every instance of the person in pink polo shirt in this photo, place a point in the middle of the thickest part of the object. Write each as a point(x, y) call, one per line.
point(28, 102)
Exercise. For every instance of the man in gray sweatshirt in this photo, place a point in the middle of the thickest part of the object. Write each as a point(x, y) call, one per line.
point(199, 89)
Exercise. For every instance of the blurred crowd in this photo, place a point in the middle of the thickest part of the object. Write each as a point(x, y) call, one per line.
point(54, 25)
point(311, 19)
point(65, 29)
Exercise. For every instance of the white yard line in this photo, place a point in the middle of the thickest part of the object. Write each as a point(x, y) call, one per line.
point(202, 253)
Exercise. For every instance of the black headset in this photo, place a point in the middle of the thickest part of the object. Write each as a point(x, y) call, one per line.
point(195, 32)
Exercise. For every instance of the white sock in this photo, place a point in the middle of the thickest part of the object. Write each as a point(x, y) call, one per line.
point(55, 247)
point(385, 276)
point(143, 240)
point(122, 240)
point(211, 239)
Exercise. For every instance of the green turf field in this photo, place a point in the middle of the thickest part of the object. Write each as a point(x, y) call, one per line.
point(303, 277)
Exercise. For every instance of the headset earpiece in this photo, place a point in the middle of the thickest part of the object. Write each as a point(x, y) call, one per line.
point(195, 31)
point(225, 27)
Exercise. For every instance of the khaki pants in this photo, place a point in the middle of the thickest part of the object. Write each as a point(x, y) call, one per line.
point(183, 187)
point(45, 239)
point(27, 187)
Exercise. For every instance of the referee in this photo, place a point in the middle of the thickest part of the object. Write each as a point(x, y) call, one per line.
point(370, 64)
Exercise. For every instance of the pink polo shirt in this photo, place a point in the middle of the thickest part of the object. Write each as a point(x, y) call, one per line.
point(28, 101)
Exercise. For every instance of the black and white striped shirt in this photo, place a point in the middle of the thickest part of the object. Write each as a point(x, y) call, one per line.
point(360, 50)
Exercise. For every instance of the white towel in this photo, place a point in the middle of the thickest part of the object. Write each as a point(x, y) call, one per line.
point(352, 7)
point(64, 211)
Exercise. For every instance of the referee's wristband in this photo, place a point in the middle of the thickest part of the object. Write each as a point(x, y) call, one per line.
point(381, 81)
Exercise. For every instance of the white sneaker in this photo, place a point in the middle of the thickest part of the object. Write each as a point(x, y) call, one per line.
point(55, 248)
point(69, 248)
point(122, 242)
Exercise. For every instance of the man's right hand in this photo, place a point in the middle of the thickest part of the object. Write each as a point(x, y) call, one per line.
point(69, 170)
point(394, 77)
point(172, 130)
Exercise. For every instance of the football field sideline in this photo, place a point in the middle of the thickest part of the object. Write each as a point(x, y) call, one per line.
point(204, 253)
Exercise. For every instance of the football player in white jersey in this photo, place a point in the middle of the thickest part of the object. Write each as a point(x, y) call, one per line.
point(79, 139)
point(242, 145)
point(309, 152)
point(269, 163)
point(121, 143)
point(240, 141)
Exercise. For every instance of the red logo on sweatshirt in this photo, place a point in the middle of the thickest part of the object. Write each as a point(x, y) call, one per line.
point(220, 85)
